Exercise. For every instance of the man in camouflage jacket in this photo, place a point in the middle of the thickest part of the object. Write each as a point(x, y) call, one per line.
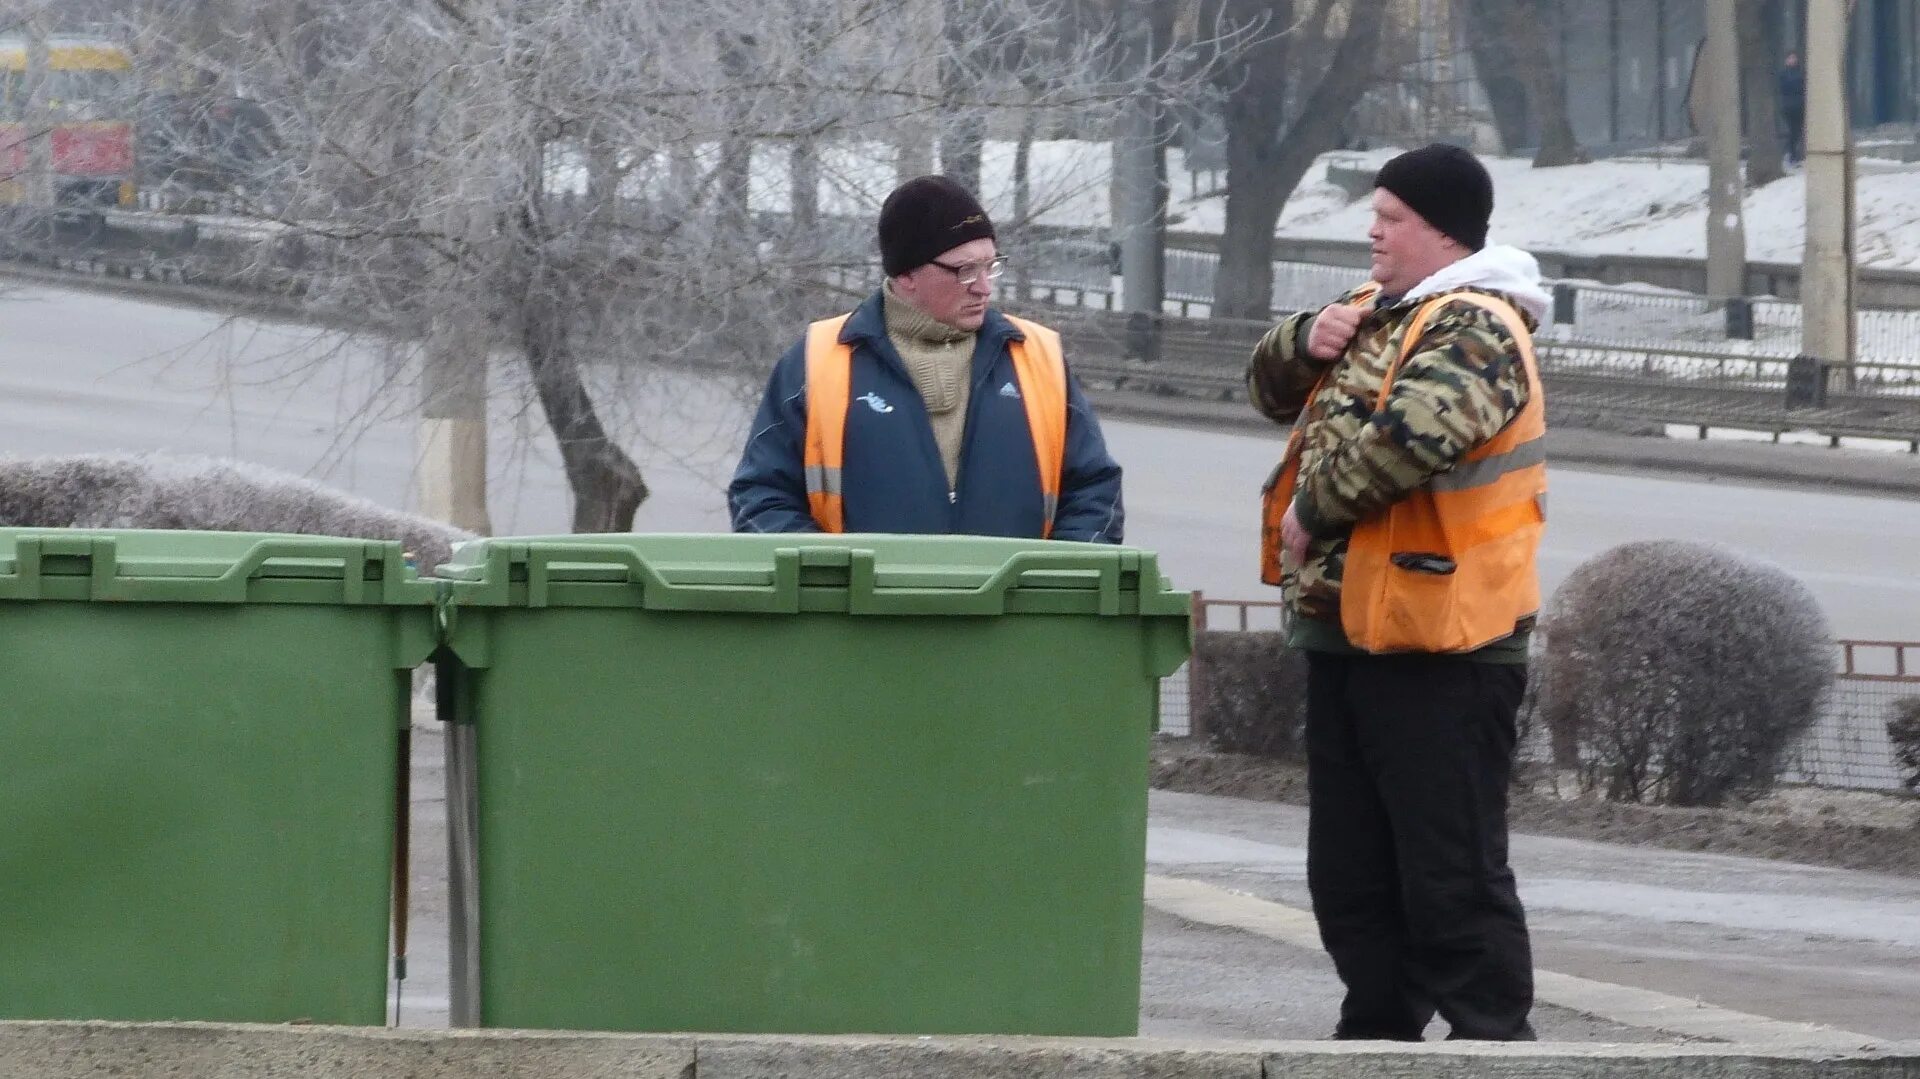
point(1409, 754)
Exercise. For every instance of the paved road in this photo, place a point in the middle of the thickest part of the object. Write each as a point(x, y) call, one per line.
point(84, 371)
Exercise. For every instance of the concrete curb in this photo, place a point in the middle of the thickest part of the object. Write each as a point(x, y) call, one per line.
point(94, 1050)
point(153, 290)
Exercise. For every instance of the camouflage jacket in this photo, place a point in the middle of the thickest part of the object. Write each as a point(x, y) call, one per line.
point(1359, 455)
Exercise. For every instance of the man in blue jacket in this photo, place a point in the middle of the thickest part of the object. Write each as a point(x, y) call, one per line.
point(927, 410)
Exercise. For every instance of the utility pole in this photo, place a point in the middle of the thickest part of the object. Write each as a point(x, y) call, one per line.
point(913, 150)
point(453, 425)
point(452, 436)
point(913, 134)
point(1827, 270)
point(1726, 190)
point(1140, 185)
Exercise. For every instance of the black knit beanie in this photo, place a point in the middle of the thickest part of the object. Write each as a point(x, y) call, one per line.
point(1446, 185)
point(924, 218)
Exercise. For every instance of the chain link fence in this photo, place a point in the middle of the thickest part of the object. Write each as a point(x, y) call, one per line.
point(1176, 703)
point(1610, 314)
point(1084, 273)
point(1847, 748)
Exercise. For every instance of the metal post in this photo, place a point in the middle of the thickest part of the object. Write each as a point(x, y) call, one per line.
point(1566, 303)
point(1196, 683)
point(1613, 70)
point(463, 846)
point(1739, 318)
point(1660, 68)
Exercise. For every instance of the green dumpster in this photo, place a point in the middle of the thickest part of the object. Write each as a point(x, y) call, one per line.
point(199, 745)
point(885, 784)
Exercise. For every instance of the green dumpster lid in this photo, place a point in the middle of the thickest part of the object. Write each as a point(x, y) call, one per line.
point(132, 565)
point(791, 573)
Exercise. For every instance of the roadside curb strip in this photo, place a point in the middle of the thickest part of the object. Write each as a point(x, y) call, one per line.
point(94, 1050)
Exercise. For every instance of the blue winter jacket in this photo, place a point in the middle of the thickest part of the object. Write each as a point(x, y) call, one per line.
point(892, 477)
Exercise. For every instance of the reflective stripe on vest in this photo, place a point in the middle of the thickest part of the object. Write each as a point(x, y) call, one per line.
point(829, 389)
point(1483, 518)
point(1472, 473)
point(1041, 366)
point(1038, 364)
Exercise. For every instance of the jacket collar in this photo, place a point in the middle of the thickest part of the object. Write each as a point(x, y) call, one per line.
point(1498, 268)
point(869, 322)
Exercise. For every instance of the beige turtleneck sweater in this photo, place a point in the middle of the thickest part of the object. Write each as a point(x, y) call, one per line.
point(940, 360)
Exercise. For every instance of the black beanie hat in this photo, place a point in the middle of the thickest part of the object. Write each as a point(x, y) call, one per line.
point(925, 218)
point(1446, 185)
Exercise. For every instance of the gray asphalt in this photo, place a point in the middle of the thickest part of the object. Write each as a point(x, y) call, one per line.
point(85, 371)
point(1785, 941)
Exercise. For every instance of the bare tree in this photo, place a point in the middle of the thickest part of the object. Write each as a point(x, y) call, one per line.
point(1497, 62)
point(1422, 89)
point(963, 124)
point(1759, 96)
point(1269, 146)
point(1521, 70)
point(1545, 71)
point(562, 200)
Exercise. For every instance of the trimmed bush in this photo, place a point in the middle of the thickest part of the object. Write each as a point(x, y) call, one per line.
point(1904, 731)
point(202, 494)
point(1681, 673)
point(1250, 693)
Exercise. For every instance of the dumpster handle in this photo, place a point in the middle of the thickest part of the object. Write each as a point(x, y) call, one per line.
point(782, 596)
point(865, 596)
point(231, 586)
point(353, 571)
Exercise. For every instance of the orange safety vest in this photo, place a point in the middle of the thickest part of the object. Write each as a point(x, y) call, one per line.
point(1484, 516)
point(1041, 369)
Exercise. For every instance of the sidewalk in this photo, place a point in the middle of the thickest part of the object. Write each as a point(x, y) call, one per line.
point(1742, 939)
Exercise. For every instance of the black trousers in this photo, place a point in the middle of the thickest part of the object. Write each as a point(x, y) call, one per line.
point(1408, 761)
point(1796, 133)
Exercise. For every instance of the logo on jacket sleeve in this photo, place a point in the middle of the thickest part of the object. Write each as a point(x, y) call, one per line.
point(876, 402)
point(1010, 390)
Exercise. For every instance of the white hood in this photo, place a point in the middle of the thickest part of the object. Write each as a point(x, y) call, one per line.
point(1499, 268)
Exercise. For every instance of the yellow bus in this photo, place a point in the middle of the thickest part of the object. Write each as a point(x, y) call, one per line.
point(89, 106)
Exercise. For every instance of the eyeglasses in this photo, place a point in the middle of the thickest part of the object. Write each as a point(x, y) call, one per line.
point(971, 272)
